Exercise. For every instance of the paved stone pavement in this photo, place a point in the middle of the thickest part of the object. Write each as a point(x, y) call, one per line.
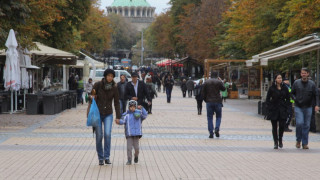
point(175, 145)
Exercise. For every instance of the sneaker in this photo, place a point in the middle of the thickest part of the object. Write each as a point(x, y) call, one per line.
point(305, 146)
point(217, 134)
point(107, 161)
point(211, 136)
point(128, 162)
point(136, 159)
point(101, 163)
point(287, 129)
point(298, 145)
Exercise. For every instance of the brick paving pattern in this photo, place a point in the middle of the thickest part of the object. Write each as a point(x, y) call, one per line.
point(175, 145)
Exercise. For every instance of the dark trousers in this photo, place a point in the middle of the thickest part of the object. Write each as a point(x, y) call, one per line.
point(159, 87)
point(199, 106)
point(164, 88)
point(79, 93)
point(168, 91)
point(150, 108)
point(282, 124)
point(184, 93)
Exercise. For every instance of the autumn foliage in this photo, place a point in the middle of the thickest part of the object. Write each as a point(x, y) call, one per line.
point(232, 29)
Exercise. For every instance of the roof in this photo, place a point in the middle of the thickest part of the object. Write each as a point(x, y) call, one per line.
point(80, 64)
point(304, 45)
point(130, 3)
point(49, 55)
point(46, 50)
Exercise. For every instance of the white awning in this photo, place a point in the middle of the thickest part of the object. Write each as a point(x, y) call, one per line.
point(306, 44)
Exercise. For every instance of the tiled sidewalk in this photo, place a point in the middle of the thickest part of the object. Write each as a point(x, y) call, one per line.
point(175, 145)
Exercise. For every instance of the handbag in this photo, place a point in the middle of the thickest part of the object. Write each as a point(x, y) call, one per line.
point(94, 115)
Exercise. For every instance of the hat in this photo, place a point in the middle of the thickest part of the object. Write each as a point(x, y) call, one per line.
point(109, 71)
point(133, 103)
point(134, 74)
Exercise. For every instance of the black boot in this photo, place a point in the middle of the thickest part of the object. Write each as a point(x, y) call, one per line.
point(275, 145)
point(280, 142)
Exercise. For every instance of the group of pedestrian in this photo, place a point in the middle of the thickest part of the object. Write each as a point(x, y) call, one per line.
point(139, 94)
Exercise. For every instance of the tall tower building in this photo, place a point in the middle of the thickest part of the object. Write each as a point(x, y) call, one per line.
point(138, 12)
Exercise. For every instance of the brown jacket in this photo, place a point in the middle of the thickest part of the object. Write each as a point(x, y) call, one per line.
point(211, 90)
point(105, 97)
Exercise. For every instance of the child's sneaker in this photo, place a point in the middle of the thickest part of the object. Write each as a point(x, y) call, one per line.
point(129, 162)
point(135, 159)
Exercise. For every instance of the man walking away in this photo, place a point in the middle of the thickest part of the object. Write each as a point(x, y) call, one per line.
point(211, 95)
point(303, 93)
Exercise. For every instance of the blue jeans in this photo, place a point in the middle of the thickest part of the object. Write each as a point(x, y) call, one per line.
point(168, 91)
point(212, 108)
point(107, 120)
point(123, 105)
point(79, 93)
point(303, 118)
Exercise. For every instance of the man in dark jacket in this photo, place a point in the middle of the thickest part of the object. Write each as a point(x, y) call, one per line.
point(137, 90)
point(304, 93)
point(211, 95)
point(169, 86)
point(122, 93)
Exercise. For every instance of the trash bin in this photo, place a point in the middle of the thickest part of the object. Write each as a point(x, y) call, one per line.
point(32, 103)
point(5, 101)
point(49, 101)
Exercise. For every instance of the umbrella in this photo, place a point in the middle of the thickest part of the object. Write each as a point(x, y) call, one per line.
point(12, 67)
point(11, 72)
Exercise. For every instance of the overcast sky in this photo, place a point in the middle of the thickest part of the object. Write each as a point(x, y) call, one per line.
point(160, 5)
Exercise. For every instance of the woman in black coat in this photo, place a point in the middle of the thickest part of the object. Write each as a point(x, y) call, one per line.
point(199, 96)
point(278, 102)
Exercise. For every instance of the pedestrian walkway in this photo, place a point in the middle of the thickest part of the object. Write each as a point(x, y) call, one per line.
point(175, 145)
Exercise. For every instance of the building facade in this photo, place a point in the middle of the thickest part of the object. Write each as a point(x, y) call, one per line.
point(138, 12)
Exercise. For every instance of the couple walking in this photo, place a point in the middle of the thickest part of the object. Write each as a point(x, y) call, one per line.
point(303, 93)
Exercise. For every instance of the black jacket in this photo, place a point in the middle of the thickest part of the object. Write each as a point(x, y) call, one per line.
point(169, 83)
point(211, 90)
point(122, 90)
point(304, 93)
point(183, 86)
point(278, 103)
point(198, 92)
point(142, 92)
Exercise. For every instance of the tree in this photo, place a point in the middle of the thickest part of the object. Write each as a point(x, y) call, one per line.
point(27, 18)
point(96, 31)
point(298, 18)
point(198, 28)
point(123, 34)
point(64, 33)
point(158, 36)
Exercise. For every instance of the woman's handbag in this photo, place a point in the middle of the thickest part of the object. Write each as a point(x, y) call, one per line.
point(94, 115)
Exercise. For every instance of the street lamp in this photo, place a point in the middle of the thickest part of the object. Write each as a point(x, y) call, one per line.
point(142, 48)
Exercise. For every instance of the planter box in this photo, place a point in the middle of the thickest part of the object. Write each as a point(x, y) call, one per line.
point(234, 95)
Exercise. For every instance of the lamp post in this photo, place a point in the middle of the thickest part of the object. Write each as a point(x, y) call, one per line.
point(142, 49)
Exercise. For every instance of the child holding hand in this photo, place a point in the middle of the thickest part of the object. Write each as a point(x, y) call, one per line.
point(133, 128)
